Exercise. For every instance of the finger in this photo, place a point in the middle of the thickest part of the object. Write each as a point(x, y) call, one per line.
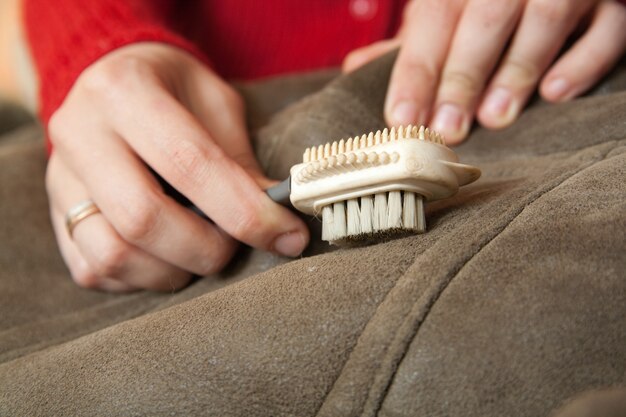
point(99, 259)
point(110, 256)
point(141, 214)
point(362, 56)
point(429, 27)
point(107, 255)
point(543, 29)
point(80, 271)
point(593, 55)
point(209, 97)
point(177, 146)
point(481, 36)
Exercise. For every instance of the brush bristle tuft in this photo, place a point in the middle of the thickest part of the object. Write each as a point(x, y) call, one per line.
point(358, 219)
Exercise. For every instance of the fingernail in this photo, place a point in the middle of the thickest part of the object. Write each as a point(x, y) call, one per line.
point(500, 108)
point(290, 244)
point(498, 102)
point(450, 121)
point(557, 88)
point(405, 112)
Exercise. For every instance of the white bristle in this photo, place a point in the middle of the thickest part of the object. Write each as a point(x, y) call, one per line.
point(413, 216)
point(327, 224)
point(339, 220)
point(394, 210)
point(367, 214)
point(353, 217)
point(409, 211)
point(380, 211)
point(420, 214)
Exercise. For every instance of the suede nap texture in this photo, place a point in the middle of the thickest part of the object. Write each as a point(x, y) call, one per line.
point(513, 303)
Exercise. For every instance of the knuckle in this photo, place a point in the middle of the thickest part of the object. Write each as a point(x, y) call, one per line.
point(191, 161)
point(112, 260)
point(215, 259)
point(249, 223)
point(57, 129)
point(114, 74)
point(416, 68)
point(461, 82)
point(522, 71)
point(86, 278)
point(55, 123)
point(138, 224)
point(231, 98)
point(551, 11)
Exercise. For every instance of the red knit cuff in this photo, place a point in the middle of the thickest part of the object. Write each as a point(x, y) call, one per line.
point(67, 36)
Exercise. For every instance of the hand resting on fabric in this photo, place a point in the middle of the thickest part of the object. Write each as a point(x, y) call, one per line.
point(483, 59)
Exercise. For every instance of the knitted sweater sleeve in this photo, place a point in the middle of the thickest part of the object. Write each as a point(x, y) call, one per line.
point(66, 36)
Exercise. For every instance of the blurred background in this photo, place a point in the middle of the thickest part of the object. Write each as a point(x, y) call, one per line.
point(17, 81)
point(18, 84)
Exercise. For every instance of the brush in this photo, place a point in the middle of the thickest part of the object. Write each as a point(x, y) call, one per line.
point(374, 185)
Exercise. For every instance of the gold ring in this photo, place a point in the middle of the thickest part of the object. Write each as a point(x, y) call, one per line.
point(79, 213)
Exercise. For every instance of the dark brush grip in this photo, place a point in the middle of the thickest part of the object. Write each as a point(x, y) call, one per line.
point(280, 192)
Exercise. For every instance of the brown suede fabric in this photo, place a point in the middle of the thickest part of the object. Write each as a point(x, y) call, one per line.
point(511, 304)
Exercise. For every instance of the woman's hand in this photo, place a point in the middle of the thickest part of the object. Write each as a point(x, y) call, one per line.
point(466, 59)
point(153, 104)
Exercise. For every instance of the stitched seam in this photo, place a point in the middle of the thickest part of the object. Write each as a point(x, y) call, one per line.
point(361, 334)
point(455, 272)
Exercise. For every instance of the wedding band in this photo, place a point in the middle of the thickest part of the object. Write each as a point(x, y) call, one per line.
point(79, 213)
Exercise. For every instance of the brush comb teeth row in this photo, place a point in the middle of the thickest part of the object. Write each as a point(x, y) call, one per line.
point(317, 153)
point(345, 162)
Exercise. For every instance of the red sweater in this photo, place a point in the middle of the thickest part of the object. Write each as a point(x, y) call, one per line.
point(243, 39)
